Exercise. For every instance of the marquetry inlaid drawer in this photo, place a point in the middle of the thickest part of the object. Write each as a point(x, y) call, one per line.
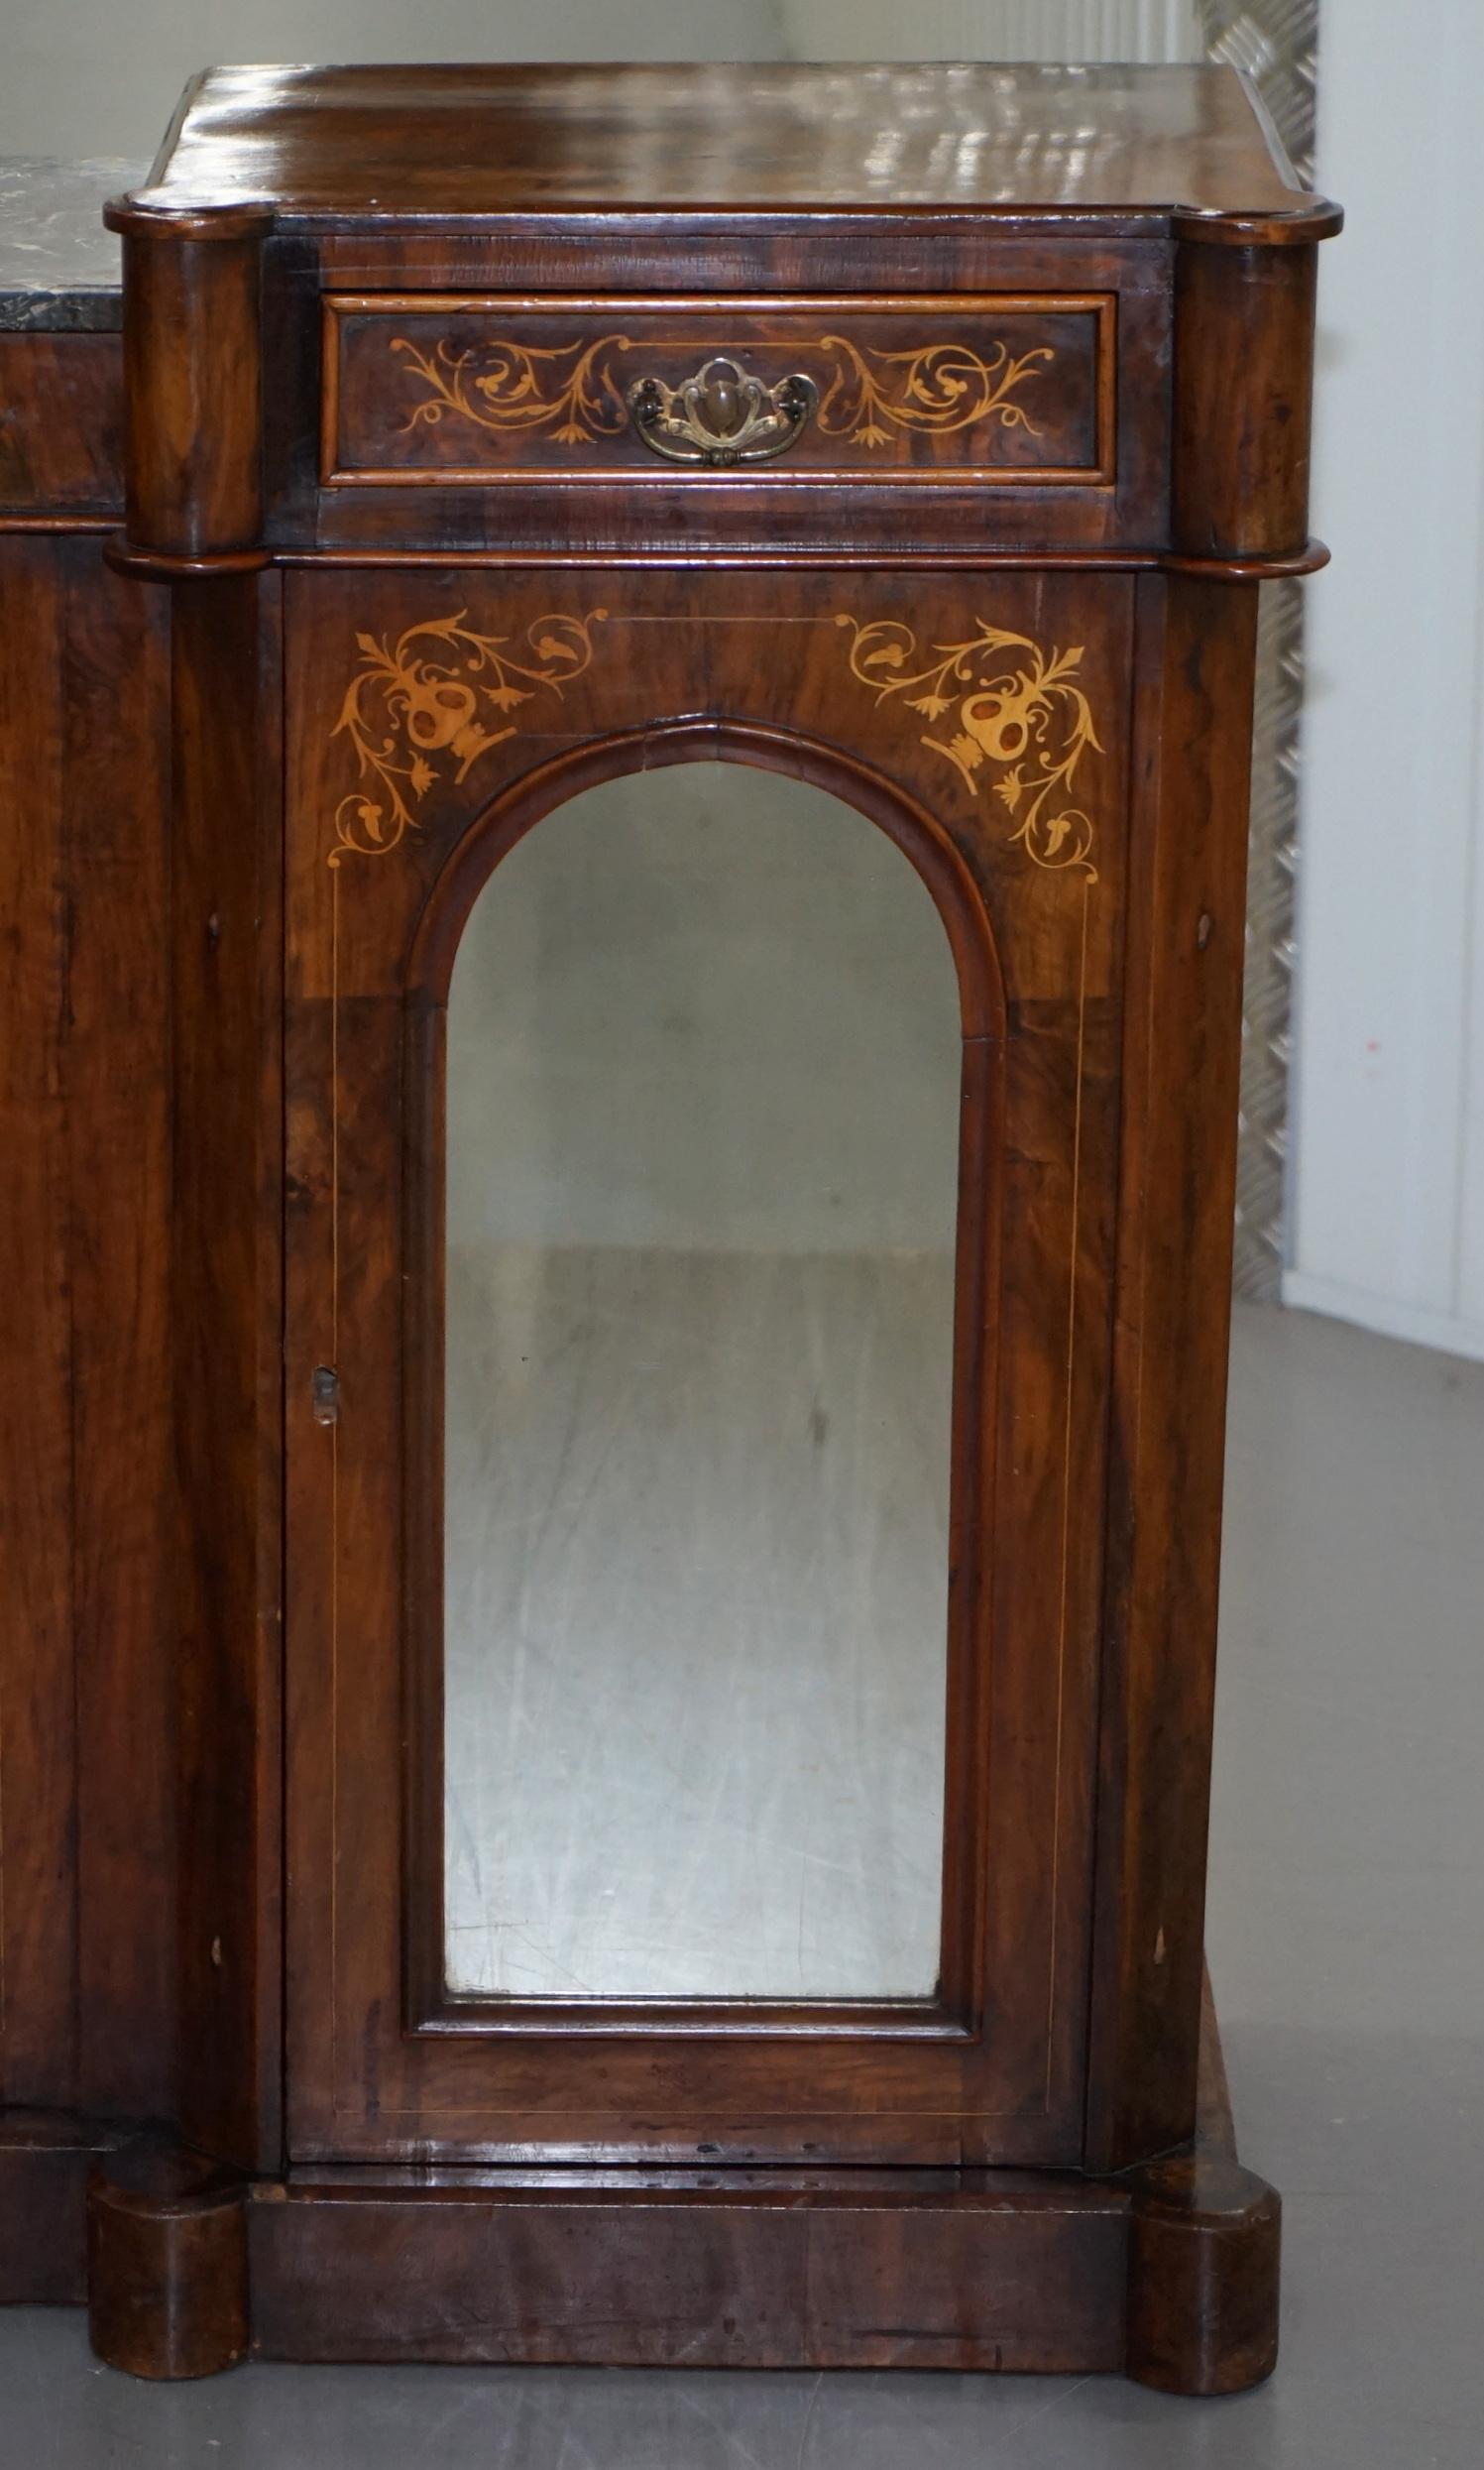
point(450, 389)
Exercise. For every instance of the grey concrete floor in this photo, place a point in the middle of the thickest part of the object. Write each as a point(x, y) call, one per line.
point(646, 1446)
point(1348, 1892)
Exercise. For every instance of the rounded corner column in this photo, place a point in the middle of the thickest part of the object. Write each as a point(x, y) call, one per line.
point(1205, 2244)
point(167, 2263)
point(194, 379)
point(1244, 322)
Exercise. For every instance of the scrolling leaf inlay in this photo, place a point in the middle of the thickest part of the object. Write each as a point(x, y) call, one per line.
point(418, 711)
point(520, 385)
point(570, 389)
point(1027, 718)
point(937, 387)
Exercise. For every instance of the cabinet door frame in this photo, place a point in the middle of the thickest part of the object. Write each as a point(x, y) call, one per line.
point(382, 2063)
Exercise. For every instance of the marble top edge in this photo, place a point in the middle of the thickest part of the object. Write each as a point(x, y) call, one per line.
point(59, 269)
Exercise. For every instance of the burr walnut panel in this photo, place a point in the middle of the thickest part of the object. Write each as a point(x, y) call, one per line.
point(61, 425)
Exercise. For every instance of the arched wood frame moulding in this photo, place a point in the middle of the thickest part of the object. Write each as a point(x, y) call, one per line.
point(487, 839)
point(518, 808)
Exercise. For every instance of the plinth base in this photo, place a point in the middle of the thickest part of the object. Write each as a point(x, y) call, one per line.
point(1169, 2274)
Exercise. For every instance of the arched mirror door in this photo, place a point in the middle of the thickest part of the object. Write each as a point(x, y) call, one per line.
point(700, 1135)
point(701, 1145)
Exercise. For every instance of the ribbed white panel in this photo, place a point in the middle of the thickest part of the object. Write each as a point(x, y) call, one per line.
point(998, 30)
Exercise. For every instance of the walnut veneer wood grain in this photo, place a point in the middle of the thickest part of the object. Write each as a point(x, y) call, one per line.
point(389, 144)
point(86, 1866)
point(422, 590)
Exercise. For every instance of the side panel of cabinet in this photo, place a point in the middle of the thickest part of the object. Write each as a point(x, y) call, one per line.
point(37, 1749)
point(850, 677)
point(227, 1255)
point(1188, 862)
point(86, 1798)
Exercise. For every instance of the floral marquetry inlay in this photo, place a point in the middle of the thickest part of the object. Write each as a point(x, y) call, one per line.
point(1014, 719)
point(427, 706)
point(936, 388)
point(507, 386)
point(574, 391)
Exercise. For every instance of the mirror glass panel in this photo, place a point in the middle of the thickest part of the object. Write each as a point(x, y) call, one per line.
point(702, 1164)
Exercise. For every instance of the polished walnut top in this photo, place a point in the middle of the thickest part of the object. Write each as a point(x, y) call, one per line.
point(384, 143)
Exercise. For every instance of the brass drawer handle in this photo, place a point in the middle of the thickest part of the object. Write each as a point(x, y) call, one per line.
point(723, 414)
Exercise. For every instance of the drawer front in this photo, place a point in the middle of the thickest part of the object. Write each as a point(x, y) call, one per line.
point(449, 389)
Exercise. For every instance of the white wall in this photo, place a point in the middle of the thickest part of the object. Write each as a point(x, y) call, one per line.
point(1388, 1217)
point(96, 77)
point(92, 78)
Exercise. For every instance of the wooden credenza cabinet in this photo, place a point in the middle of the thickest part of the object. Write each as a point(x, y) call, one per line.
point(921, 435)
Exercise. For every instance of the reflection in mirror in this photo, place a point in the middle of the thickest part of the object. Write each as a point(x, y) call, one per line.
point(703, 1095)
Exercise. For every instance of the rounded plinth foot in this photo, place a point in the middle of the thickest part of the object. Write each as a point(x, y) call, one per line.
point(1202, 2277)
point(167, 2263)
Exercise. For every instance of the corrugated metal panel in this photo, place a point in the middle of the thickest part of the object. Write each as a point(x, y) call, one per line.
point(1087, 30)
point(995, 30)
point(1267, 1002)
point(1276, 41)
